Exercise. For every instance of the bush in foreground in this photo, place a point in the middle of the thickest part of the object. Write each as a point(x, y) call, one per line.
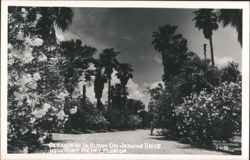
point(211, 116)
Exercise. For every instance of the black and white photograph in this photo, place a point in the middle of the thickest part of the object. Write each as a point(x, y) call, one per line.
point(84, 80)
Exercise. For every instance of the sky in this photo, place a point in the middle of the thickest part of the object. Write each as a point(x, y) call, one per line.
point(129, 31)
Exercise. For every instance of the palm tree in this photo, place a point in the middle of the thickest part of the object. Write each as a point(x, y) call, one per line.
point(233, 17)
point(108, 61)
point(100, 80)
point(61, 17)
point(116, 96)
point(124, 73)
point(206, 20)
point(172, 47)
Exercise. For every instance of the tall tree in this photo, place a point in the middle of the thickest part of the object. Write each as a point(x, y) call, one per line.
point(206, 20)
point(234, 18)
point(172, 47)
point(116, 96)
point(100, 80)
point(109, 62)
point(124, 73)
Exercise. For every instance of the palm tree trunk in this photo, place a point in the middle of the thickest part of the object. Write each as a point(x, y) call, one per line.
point(205, 51)
point(99, 103)
point(212, 50)
point(109, 96)
point(84, 94)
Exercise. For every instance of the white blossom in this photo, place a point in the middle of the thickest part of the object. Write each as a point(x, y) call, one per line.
point(73, 110)
point(34, 131)
point(42, 58)
point(26, 78)
point(41, 139)
point(27, 57)
point(62, 95)
point(20, 36)
point(36, 76)
point(46, 107)
point(33, 85)
point(37, 42)
point(32, 119)
point(18, 96)
point(60, 115)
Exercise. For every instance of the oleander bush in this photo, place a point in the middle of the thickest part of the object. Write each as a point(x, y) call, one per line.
point(35, 88)
point(214, 115)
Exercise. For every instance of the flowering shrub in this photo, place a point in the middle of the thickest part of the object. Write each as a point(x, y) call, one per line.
point(35, 91)
point(211, 116)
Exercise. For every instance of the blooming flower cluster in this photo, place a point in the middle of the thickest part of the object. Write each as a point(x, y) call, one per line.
point(34, 85)
point(211, 115)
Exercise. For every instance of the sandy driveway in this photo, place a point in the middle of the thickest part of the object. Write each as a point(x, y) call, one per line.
point(130, 142)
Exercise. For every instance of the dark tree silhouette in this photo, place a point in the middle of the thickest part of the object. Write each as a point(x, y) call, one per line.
point(77, 61)
point(116, 96)
point(206, 20)
point(172, 47)
point(124, 73)
point(100, 80)
point(60, 17)
point(231, 73)
point(234, 18)
point(109, 62)
point(196, 75)
point(134, 105)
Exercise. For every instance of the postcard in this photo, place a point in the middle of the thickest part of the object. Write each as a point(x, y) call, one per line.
point(124, 80)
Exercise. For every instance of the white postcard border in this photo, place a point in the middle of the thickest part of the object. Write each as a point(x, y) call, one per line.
point(128, 4)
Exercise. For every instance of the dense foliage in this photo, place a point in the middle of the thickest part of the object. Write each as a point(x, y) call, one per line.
point(35, 88)
point(211, 116)
point(198, 101)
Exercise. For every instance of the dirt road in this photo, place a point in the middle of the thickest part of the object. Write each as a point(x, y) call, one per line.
point(128, 142)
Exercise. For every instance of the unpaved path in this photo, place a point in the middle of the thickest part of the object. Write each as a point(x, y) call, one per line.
point(149, 144)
